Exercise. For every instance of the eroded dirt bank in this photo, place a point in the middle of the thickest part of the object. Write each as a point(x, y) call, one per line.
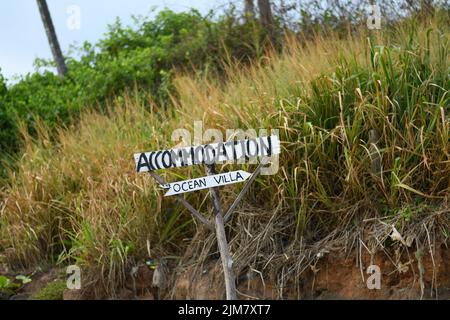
point(404, 275)
point(413, 261)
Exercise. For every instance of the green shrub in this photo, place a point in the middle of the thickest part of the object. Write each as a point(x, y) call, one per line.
point(140, 57)
point(52, 291)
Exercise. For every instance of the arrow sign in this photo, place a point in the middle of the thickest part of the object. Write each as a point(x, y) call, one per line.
point(207, 182)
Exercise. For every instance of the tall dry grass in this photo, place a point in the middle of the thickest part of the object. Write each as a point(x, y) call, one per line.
point(364, 125)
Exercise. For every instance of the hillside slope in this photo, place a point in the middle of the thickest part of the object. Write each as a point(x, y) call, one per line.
point(364, 125)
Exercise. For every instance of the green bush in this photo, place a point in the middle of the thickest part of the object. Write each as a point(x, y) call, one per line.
point(52, 291)
point(3, 88)
point(141, 57)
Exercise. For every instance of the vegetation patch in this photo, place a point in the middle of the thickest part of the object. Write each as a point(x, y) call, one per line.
point(52, 291)
point(364, 127)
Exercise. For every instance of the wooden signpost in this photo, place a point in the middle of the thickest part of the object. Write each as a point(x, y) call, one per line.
point(209, 155)
point(207, 182)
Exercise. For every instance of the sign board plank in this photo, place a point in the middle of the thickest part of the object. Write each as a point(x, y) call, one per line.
point(207, 154)
point(207, 182)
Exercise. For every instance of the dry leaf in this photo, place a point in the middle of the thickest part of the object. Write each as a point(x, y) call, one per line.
point(402, 268)
point(396, 236)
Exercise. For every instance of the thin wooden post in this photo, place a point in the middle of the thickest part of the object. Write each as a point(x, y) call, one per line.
point(243, 192)
point(191, 209)
point(219, 224)
point(225, 256)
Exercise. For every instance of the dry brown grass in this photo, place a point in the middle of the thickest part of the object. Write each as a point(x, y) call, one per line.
point(79, 200)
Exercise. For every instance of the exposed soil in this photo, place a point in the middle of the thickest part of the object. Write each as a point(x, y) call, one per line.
point(335, 273)
point(405, 274)
point(337, 277)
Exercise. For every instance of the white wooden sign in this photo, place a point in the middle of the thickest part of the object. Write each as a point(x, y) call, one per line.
point(207, 154)
point(212, 181)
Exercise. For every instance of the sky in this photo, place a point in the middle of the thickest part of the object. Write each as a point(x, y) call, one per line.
point(23, 38)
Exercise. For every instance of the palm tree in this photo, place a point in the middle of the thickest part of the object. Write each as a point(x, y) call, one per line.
point(266, 17)
point(52, 38)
